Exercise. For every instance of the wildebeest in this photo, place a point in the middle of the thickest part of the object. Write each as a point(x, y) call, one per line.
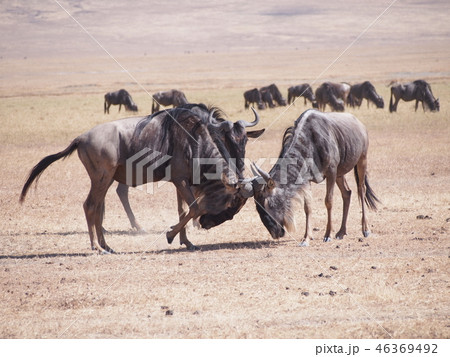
point(176, 139)
point(172, 97)
point(276, 94)
point(253, 96)
point(302, 90)
point(419, 90)
point(325, 94)
point(120, 97)
point(361, 91)
point(267, 97)
point(319, 146)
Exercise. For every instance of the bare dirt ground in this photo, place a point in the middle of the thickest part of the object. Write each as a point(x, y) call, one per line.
point(241, 284)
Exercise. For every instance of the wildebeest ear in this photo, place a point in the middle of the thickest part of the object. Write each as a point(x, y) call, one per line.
point(255, 133)
point(270, 184)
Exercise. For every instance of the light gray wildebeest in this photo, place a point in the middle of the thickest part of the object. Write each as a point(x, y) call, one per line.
point(175, 139)
point(419, 90)
point(120, 97)
point(361, 91)
point(276, 94)
point(302, 90)
point(319, 146)
point(326, 94)
point(253, 96)
point(172, 97)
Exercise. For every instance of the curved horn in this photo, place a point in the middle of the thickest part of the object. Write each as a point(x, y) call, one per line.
point(247, 124)
point(261, 173)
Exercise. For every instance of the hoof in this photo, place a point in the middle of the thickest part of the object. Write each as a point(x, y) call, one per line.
point(339, 237)
point(304, 244)
point(170, 237)
point(366, 234)
point(192, 248)
point(141, 231)
point(327, 239)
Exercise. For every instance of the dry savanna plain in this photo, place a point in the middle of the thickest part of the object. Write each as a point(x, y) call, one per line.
point(240, 283)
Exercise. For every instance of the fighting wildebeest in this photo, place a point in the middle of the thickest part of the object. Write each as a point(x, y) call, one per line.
point(120, 97)
point(319, 146)
point(253, 96)
point(177, 138)
point(302, 90)
point(361, 91)
point(172, 97)
point(267, 97)
point(419, 90)
point(276, 94)
point(325, 94)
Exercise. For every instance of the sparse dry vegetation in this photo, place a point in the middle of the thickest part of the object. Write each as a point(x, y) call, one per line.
point(241, 284)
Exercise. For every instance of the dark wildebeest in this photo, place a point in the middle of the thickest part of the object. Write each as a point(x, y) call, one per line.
point(325, 94)
point(276, 94)
point(319, 146)
point(267, 97)
point(253, 96)
point(120, 97)
point(172, 97)
point(361, 91)
point(302, 90)
point(419, 90)
point(126, 150)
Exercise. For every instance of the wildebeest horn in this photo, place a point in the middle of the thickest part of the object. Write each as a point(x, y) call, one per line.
point(224, 126)
point(246, 188)
point(247, 124)
point(260, 172)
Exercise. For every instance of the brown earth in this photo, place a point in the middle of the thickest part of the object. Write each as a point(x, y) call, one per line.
point(242, 284)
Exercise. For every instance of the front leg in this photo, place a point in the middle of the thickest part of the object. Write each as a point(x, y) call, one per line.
point(182, 212)
point(308, 211)
point(185, 193)
point(331, 180)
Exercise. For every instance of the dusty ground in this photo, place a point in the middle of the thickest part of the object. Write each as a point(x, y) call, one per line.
point(241, 284)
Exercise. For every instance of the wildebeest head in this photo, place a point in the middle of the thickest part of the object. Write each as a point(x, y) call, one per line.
point(271, 206)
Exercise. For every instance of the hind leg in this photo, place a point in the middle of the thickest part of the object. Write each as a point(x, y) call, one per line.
point(182, 212)
point(94, 210)
point(122, 192)
point(361, 168)
point(346, 195)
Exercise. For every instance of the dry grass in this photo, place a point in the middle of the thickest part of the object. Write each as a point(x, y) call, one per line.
point(241, 284)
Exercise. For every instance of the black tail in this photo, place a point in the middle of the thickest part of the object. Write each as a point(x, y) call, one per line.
point(43, 164)
point(391, 104)
point(370, 199)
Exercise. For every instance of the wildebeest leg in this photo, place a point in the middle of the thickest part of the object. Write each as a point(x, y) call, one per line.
point(346, 194)
point(94, 208)
point(307, 205)
point(122, 192)
point(331, 180)
point(185, 192)
point(120, 106)
point(361, 168)
point(182, 212)
point(417, 105)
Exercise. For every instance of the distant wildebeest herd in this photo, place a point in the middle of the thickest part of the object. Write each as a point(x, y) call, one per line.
point(203, 155)
point(338, 95)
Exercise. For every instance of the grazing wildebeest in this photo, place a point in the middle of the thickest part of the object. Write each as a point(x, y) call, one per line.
point(253, 96)
point(319, 146)
point(267, 97)
point(175, 139)
point(276, 94)
point(361, 91)
point(302, 90)
point(325, 94)
point(120, 97)
point(172, 97)
point(419, 90)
